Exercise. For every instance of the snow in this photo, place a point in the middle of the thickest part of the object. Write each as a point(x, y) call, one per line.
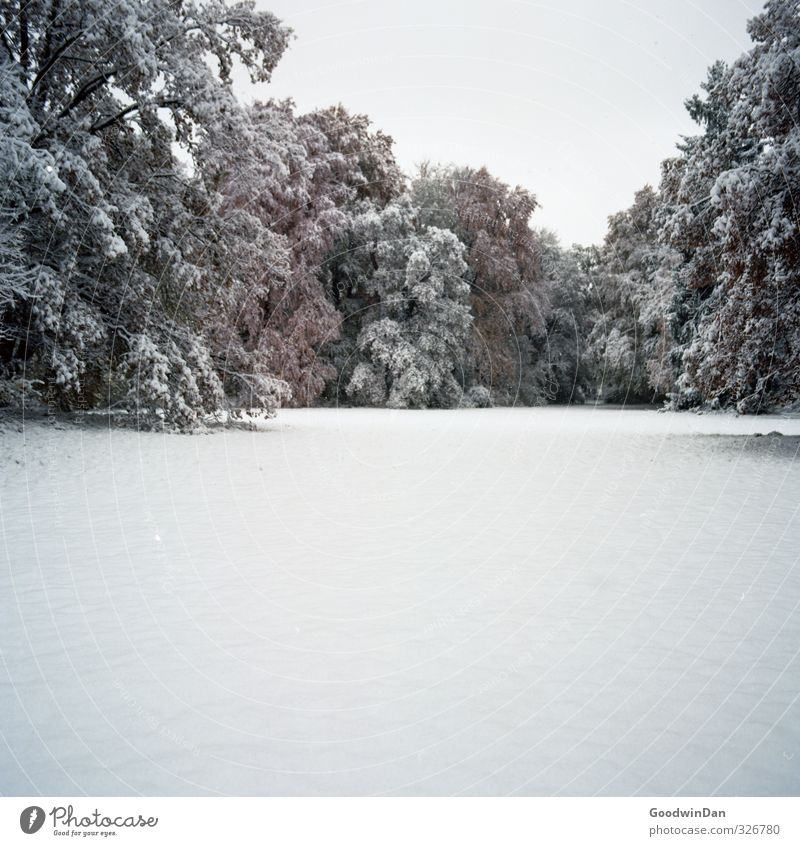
point(536, 601)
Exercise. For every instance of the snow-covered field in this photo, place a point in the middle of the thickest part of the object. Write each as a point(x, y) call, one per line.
point(535, 601)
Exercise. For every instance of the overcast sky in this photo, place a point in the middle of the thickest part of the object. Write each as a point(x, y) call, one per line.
point(578, 101)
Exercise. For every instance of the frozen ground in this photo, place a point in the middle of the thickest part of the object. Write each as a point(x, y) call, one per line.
point(548, 601)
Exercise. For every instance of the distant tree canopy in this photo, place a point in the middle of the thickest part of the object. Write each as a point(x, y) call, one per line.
point(168, 251)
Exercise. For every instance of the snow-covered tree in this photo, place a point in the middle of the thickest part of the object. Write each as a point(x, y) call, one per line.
point(342, 163)
point(731, 210)
point(507, 290)
point(299, 176)
point(109, 233)
point(402, 290)
point(557, 367)
point(631, 344)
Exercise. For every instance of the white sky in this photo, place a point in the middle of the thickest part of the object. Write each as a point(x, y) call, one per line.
point(577, 101)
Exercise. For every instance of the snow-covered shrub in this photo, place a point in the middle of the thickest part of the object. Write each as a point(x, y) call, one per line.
point(477, 397)
point(367, 386)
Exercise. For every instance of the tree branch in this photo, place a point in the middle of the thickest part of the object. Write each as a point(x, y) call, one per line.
point(6, 45)
point(99, 127)
point(134, 107)
point(87, 90)
point(53, 58)
point(24, 42)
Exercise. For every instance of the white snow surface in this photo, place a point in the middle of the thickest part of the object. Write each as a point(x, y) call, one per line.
point(509, 601)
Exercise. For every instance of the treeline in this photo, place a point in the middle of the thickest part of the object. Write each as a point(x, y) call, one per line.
point(169, 251)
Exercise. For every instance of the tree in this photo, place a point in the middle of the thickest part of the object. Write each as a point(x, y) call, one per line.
point(731, 211)
point(507, 290)
point(631, 342)
point(407, 306)
point(111, 233)
point(558, 368)
point(310, 170)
